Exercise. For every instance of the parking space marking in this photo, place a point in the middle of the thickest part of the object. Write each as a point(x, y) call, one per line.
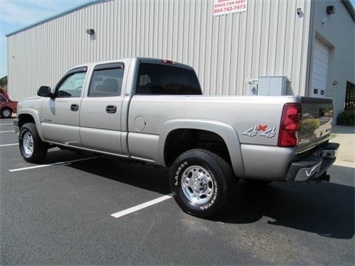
point(8, 124)
point(11, 144)
point(141, 206)
point(51, 164)
point(11, 131)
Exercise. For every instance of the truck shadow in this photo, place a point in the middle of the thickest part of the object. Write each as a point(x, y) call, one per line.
point(326, 209)
point(147, 177)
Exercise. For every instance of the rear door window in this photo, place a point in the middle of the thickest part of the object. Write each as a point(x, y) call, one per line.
point(106, 80)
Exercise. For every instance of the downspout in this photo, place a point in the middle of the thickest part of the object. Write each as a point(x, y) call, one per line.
point(311, 39)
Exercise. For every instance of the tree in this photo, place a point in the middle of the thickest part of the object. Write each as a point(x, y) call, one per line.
point(3, 83)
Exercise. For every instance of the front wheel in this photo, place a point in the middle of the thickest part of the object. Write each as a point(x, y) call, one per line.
point(32, 148)
point(201, 181)
point(6, 112)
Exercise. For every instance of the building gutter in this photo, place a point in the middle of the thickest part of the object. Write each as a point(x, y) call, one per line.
point(311, 39)
point(350, 8)
point(57, 16)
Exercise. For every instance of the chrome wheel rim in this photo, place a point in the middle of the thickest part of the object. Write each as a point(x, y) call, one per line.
point(197, 184)
point(27, 144)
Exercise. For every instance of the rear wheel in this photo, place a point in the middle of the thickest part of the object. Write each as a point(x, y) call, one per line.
point(201, 182)
point(6, 112)
point(32, 148)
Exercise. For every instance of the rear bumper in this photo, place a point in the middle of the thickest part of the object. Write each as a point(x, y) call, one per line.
point(313, 166)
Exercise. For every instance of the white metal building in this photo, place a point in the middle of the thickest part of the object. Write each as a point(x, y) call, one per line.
point(237, 47)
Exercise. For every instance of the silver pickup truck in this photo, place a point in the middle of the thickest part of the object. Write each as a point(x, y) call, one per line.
point(153, 111)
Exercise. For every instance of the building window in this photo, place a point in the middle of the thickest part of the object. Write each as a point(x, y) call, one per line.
point(350, 96)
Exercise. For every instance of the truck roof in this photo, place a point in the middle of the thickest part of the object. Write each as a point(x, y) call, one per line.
point(141, 59)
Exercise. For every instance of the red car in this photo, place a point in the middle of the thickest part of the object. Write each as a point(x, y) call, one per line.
point(7, 106)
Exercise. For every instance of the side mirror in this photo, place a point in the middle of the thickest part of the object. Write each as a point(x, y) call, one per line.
point(44, 91)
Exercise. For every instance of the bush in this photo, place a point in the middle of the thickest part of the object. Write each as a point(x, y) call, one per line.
point(346, 118)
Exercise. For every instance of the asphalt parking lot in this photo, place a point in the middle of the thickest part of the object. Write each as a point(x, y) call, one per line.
point(62, 212)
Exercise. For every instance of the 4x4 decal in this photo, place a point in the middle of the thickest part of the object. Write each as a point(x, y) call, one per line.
point(260, 130)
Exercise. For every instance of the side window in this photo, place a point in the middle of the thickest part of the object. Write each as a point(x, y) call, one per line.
point(106, 81)
point(2, 99)
point(71, 86)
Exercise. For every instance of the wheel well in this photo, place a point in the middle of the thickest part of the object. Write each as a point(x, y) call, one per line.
point(181, 140)
point(23, 119)
point(6, 107)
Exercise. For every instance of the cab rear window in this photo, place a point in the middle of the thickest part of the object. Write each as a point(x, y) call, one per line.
point(156, 79)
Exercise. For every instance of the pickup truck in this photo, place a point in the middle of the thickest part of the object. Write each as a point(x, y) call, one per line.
point(7, 106)
point(153, 111)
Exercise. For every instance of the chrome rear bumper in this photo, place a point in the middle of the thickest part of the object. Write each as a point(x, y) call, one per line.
point(315, 166)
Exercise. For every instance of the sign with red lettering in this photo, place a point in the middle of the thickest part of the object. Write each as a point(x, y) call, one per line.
point(223, 7)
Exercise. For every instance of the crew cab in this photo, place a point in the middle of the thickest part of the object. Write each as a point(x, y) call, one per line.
point(153, 111)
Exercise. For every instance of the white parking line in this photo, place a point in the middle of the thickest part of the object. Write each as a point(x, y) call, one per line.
point(8, 124)
point(48, 165)
point(12, 131)
point(11, 144)
point(141, 206)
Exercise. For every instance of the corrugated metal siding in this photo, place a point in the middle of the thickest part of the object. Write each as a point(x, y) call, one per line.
point(268, 39)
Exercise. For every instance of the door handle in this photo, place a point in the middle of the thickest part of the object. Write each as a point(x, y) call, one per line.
point(111, 109)
point(74, 107)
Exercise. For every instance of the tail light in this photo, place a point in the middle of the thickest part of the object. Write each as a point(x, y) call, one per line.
point(290, 125)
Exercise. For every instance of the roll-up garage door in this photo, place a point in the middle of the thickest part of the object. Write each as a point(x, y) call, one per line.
point(320, 69)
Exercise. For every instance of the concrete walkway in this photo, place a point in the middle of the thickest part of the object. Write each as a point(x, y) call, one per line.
point(345, 136)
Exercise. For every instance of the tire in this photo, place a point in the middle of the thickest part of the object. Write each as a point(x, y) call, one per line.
point(32, 148)
point(6, 113)
point(201, 182)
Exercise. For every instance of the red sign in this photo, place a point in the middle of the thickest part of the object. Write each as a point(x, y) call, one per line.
point(223, 7)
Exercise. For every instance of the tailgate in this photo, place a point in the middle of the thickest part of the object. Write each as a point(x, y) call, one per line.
point(317, 117)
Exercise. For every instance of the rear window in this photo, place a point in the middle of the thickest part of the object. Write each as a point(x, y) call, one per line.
point(155, 79)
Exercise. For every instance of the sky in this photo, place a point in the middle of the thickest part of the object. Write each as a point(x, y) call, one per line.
point(17, 14)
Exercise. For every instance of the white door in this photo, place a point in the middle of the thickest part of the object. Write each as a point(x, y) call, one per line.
point(320, 69)
point(60, 114)
point(100, 113)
